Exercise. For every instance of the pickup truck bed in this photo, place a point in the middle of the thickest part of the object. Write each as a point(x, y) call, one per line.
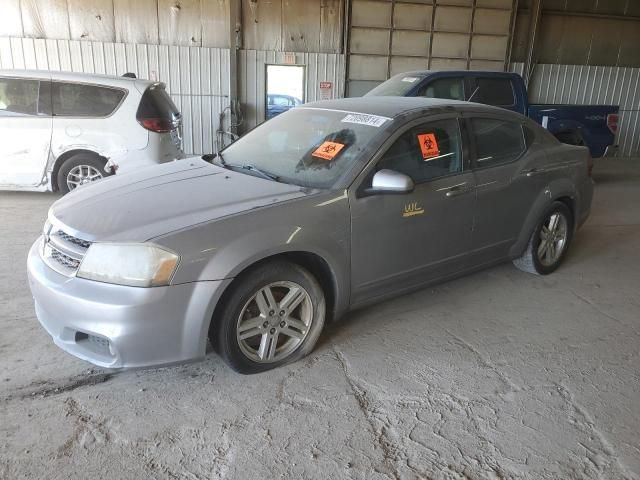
point(574, 124)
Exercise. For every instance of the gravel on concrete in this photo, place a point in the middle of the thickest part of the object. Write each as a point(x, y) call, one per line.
point(498, 375)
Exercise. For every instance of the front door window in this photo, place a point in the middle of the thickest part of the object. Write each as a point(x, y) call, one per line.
point(426, 152)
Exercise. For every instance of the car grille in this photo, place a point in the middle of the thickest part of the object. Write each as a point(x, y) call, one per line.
point(63, 252)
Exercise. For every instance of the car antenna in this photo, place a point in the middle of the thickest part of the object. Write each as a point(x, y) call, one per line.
point(473, 94)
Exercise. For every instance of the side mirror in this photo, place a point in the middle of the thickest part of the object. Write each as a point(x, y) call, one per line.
point(389, 181)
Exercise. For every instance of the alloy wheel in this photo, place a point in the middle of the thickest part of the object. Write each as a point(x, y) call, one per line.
point(553, 239)
point(274, 322)
point(81, 175)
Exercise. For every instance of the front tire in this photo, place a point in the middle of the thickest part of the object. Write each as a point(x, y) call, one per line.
point(80, 169)
point(549, 242)
point(273, 316)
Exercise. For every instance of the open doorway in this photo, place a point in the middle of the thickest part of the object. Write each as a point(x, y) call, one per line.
point(285, 88)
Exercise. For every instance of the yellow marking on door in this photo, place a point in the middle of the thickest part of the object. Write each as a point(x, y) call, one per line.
point(412, 209)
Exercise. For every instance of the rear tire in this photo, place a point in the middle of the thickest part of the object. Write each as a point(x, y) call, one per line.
point(549, 242)
point(80, 169)
point(273, 316)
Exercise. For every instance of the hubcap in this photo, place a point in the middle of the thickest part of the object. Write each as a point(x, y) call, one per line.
point(274, 322)
point(81, 175)
point(553, 239)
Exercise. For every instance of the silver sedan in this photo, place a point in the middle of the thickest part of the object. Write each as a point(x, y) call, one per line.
point(327, 207)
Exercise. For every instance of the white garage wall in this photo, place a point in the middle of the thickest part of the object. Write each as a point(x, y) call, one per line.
point(583, 85)
point(196, 77)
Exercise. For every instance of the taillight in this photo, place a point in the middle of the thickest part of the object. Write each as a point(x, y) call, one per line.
point(159, 125)
point(612, 122)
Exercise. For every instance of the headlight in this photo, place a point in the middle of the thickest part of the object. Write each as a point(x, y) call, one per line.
point(136, 265)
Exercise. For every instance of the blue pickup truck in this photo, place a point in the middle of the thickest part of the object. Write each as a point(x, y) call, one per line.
point(593, 126)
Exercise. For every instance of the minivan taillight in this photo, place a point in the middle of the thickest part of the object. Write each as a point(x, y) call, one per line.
point(612, 122)
point(157, 112)
point(158, 125)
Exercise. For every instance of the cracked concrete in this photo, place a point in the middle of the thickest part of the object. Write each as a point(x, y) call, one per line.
point(499, 375)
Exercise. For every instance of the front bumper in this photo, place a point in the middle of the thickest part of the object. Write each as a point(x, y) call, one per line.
point(117, 326)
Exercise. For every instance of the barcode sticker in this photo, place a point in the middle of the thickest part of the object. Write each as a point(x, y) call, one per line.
point(363, 119)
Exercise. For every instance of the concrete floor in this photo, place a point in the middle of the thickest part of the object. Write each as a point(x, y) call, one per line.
point(496, 375)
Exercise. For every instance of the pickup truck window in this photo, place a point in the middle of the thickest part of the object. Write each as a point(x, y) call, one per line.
point(425, 152)
point(496, 91)
point(397, 86)
point(18, 97)
point(497, 142)
point(449, 88)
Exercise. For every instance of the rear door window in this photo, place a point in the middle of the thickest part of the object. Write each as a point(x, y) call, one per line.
point(81, 100)
point(495, 91)
point(18, 97)
point(448, 88)
point(497, 141)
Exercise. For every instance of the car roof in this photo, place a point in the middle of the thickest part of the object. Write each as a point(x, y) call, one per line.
point(395, 106)
point(98, 78)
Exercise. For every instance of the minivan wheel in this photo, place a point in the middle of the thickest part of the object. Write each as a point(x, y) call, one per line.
point(78, 170)
point(273, 316)
point(549, 242)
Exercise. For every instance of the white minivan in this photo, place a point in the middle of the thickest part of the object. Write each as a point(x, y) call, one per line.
point(61, 130)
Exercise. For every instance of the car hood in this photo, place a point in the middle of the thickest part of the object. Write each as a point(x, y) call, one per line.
point(164, 198)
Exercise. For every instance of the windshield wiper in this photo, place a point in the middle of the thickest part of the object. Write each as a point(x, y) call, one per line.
point(262, 173)
point(252, 168)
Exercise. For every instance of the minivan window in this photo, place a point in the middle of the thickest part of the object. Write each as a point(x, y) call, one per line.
point(425, 152)
point(18, 97)
point(448, 88)
point(81, 100)
point(497, 141)
point(496, 91)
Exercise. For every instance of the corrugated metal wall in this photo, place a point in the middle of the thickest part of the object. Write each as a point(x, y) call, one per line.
point(320, 67)
point(580, 84)
point(196, 77)
point(581, 32)
point(287, 25)
point(293, 25)
point(196, 23)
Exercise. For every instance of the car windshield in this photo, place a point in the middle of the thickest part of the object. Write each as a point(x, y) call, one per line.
point(309, 147)
point(397, 86)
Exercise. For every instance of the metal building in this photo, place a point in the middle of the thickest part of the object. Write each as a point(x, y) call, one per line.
point(564, 48)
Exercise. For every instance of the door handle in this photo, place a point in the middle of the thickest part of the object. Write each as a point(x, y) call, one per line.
point(532, 172)
point(455, 190)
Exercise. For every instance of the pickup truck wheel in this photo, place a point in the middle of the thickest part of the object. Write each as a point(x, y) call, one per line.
point(549, 241)
point(80, 169)
point(273, 316)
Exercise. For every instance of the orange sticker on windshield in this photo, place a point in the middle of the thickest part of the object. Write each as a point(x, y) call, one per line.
point(428, 145)
point(328, 150)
